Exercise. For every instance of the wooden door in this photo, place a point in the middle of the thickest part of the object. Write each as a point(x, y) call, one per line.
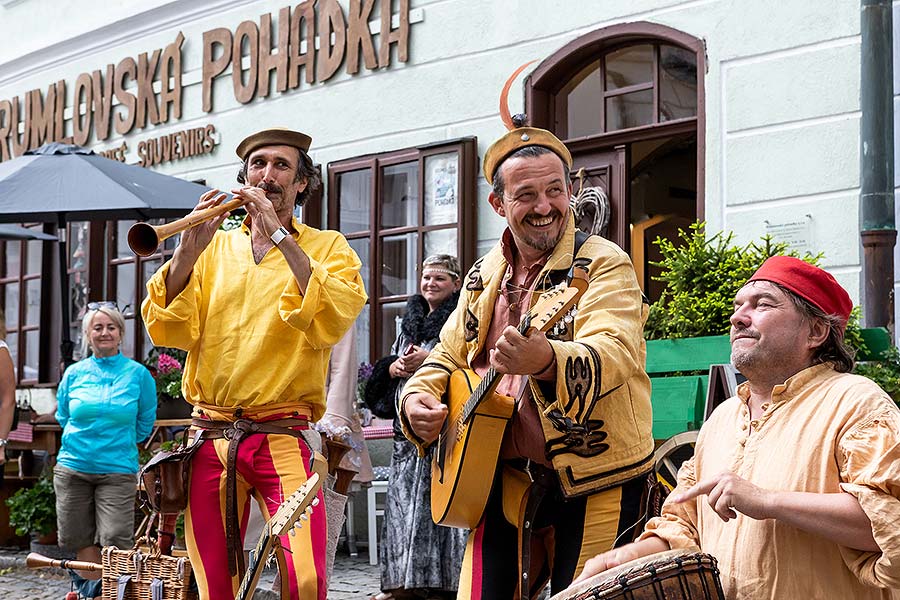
point(608, 169)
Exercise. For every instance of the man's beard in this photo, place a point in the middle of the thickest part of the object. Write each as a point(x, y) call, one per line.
point(545, 241)
point(746, 357)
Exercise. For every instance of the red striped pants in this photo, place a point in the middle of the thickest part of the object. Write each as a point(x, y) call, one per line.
point(270, 467)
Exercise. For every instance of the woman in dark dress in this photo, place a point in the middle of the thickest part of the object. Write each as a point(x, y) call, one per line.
point(418, 558)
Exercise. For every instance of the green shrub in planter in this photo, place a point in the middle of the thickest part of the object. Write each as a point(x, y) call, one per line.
point(33, 510)
point(702, 277)
point(886, 372)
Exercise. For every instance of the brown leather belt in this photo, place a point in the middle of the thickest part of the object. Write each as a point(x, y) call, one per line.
point(234, 432)
point(543, 481)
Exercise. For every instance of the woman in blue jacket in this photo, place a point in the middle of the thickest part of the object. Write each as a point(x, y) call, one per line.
point(106, 404)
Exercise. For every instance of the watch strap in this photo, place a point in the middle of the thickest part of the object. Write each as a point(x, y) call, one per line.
point(279, 235)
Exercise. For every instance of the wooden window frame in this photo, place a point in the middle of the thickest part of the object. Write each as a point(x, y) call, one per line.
point(113, 262)
point(547, 80)
point(465, 224)
point(47, 302)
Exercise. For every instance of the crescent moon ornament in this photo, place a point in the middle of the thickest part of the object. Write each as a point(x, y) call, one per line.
point(504, 95)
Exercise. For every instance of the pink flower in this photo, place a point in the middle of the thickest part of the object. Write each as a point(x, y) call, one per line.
point(167, 364)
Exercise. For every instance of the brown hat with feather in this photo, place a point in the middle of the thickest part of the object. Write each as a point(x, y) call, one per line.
point(519, 136)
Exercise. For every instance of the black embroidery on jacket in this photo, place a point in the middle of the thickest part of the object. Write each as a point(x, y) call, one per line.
point(583, 439)
point(474, 283)
point(579, 377)
point(471, 326)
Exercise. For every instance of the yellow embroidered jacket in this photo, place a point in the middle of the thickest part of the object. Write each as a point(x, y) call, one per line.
point(253, 339)
point(596, 416)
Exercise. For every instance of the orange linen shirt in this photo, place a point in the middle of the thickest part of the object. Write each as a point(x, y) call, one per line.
point(823, 432)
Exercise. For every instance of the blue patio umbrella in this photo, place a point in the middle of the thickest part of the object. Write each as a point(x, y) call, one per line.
point(61, 182)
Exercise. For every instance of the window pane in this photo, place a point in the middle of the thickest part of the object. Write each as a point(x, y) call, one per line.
point(677, 83)
point(12, 305)
point(441, 188)
point(170, 242)
point(33, 302)
point(441, 241)
point(354, 190)
point(127, 346)
point(78, 245)
point(400, 195)
point(629, 110)
point(125, 287)
point(13, 254)
point(398, 265)
point(361, 247)
point(32, 351)
point(35, 251)
point(122, 249)
point(363, 333)
point(629, 66)
point(148, 345)
point(391, 315)
point(12, 340)
point(582, 96)
point(149, 267)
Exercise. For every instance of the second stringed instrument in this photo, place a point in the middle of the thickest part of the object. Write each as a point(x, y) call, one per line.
point(297, 506)
point(461, 479)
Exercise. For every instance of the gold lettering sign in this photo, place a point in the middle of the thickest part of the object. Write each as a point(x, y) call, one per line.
point(275, 51)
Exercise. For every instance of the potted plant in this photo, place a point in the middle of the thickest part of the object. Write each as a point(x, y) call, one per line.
point(33, 511)
point(165, 365)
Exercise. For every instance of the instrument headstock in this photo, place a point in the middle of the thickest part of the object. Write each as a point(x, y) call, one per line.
point(557, 303)
point(297, 506)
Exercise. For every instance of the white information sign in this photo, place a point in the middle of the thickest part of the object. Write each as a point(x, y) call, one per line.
point(796, 233)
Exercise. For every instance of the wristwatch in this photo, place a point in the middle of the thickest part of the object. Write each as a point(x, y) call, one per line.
point(279, 235)
point(3, 443)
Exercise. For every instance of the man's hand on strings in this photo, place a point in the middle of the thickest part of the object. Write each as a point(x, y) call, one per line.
point(518, 354)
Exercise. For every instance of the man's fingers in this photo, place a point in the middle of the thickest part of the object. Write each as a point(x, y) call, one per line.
point(698, 489)
point(722, 506)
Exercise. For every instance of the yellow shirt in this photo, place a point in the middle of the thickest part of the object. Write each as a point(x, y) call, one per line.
point(253, 339)
point(822, 432)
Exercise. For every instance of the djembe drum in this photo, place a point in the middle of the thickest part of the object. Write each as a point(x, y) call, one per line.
point(670, 575)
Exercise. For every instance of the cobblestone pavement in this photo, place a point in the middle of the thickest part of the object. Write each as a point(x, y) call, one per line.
point(353, 579)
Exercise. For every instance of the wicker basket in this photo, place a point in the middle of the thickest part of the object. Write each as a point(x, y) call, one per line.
point(147, 569)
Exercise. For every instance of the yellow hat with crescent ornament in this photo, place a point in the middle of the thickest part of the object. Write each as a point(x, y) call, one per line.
point(519, 136)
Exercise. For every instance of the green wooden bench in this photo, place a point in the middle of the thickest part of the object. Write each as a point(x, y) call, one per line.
point(679, 375)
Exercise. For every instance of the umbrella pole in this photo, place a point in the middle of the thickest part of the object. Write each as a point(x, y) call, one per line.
point(66, 346)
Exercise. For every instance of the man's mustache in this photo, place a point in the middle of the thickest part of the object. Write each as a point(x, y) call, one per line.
point(269, 187)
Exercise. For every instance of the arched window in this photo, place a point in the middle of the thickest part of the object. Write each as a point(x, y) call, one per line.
point(628, 100)
point(640, 84)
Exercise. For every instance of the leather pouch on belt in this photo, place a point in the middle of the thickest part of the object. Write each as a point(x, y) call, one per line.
point(515, 493)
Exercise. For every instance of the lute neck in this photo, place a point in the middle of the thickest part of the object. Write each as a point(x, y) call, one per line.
point(490, 380)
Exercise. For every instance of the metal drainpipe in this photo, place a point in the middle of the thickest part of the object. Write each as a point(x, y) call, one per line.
point(878, 231)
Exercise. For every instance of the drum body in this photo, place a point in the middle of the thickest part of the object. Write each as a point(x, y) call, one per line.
point(670, 575)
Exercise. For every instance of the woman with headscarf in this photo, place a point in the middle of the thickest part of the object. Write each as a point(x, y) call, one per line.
point(418, 558)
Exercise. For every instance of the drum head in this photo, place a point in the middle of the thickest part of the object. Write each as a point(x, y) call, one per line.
point(638, 573)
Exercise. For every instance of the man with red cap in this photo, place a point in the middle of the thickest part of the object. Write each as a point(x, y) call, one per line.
point(258, 309)
point(794, 485)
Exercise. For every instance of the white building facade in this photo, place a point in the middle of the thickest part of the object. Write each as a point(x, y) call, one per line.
point(742, 114)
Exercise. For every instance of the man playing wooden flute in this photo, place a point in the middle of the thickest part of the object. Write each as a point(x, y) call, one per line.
point(258, 309)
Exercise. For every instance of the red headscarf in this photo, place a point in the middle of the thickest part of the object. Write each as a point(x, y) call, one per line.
point(809, 282)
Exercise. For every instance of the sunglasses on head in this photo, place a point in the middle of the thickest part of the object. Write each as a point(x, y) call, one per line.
point(103, 304)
